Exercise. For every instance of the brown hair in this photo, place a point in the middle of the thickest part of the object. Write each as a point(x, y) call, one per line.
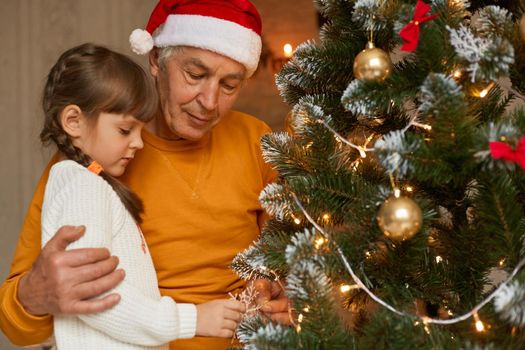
point(97, 80)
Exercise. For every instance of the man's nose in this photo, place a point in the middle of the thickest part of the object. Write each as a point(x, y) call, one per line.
point(209, 96)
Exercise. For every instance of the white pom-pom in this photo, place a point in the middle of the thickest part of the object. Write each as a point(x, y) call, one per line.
point(141, 41)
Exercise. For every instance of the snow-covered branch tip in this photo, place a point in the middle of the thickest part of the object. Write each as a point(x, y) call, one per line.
point(365, 14)
point(275, 201)
point(273, 144)
point(391, 150)
point(492, 20)
point(354, 102)
point(302, 247)
point(510, 303)
point(308, 275)
point(438, 92)
point(488, 58)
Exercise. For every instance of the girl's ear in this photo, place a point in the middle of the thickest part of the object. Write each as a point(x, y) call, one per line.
point(72, 120)
point(154, 62)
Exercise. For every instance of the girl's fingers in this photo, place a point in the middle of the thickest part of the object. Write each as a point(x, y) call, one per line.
point(232, 315)
point(226, 333)
point(235, 305)
point(229, 325)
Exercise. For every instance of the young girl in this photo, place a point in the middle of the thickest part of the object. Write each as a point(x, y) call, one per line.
point(96, 102)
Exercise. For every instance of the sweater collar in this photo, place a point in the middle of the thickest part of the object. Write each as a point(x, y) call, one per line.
point(174, 145)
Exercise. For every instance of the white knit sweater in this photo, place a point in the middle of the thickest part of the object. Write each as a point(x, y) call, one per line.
point(142, 319)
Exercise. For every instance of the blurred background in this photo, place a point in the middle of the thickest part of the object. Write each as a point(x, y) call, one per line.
point(36, 32)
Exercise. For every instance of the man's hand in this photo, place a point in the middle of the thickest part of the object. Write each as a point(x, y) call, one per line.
point(272, 300)
point(63, 282)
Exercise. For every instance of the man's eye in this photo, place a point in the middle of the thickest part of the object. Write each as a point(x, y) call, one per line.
point(229, 88)
point(195, 76)
point(124, 131)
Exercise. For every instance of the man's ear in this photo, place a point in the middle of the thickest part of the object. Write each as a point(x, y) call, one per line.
point(154, 62)
point(72, 120)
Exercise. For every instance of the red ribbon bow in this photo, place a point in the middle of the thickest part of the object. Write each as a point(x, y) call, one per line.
point(410, 32)
point(503, 150)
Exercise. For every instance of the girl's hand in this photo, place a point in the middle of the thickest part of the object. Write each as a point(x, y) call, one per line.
point(219, 318)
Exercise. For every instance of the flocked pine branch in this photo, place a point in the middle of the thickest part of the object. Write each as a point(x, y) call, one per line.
point(366, 15)
point(439, 94)
point(288, 158)
point(354, 101)
point(487, 58)
point(392, 150)
point(510, 303)
point(276, 201)
point(257, 334)
point(251, 264)
point(493, 21)
point(302, 247)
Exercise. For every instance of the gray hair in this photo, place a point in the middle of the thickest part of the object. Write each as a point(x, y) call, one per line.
point(165, 53)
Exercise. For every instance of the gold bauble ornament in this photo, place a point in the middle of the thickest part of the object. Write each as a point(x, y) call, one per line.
point(372, 64)
point(522, 27)
point(400, 218)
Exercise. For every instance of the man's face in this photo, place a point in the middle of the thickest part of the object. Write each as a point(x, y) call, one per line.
point(196, 89)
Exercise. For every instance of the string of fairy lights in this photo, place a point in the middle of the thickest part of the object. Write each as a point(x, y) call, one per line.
point(425, 321)
point(414, 122)
point(364, 148)
point(473, 313)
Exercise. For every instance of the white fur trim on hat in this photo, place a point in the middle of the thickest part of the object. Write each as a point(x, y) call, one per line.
point(141, 41)
point(224, 37)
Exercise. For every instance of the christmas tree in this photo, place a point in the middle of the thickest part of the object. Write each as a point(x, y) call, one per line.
point(399, 216)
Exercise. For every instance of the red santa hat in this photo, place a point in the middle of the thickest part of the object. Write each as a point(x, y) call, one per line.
point(229, 27)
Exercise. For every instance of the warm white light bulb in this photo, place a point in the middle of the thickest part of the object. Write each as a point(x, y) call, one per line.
point(486, 90)
point(457, 73)
point(346, 288)
point(479, 326)
point(319, 242)
point(288, 50)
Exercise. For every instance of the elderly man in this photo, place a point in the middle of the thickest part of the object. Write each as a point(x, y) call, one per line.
point(200, 174)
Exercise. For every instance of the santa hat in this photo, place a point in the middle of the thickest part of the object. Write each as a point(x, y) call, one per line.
point(229, 27)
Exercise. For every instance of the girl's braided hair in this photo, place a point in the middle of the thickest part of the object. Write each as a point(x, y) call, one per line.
point(97, 80)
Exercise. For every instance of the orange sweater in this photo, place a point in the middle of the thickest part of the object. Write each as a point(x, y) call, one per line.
point(201, 208)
